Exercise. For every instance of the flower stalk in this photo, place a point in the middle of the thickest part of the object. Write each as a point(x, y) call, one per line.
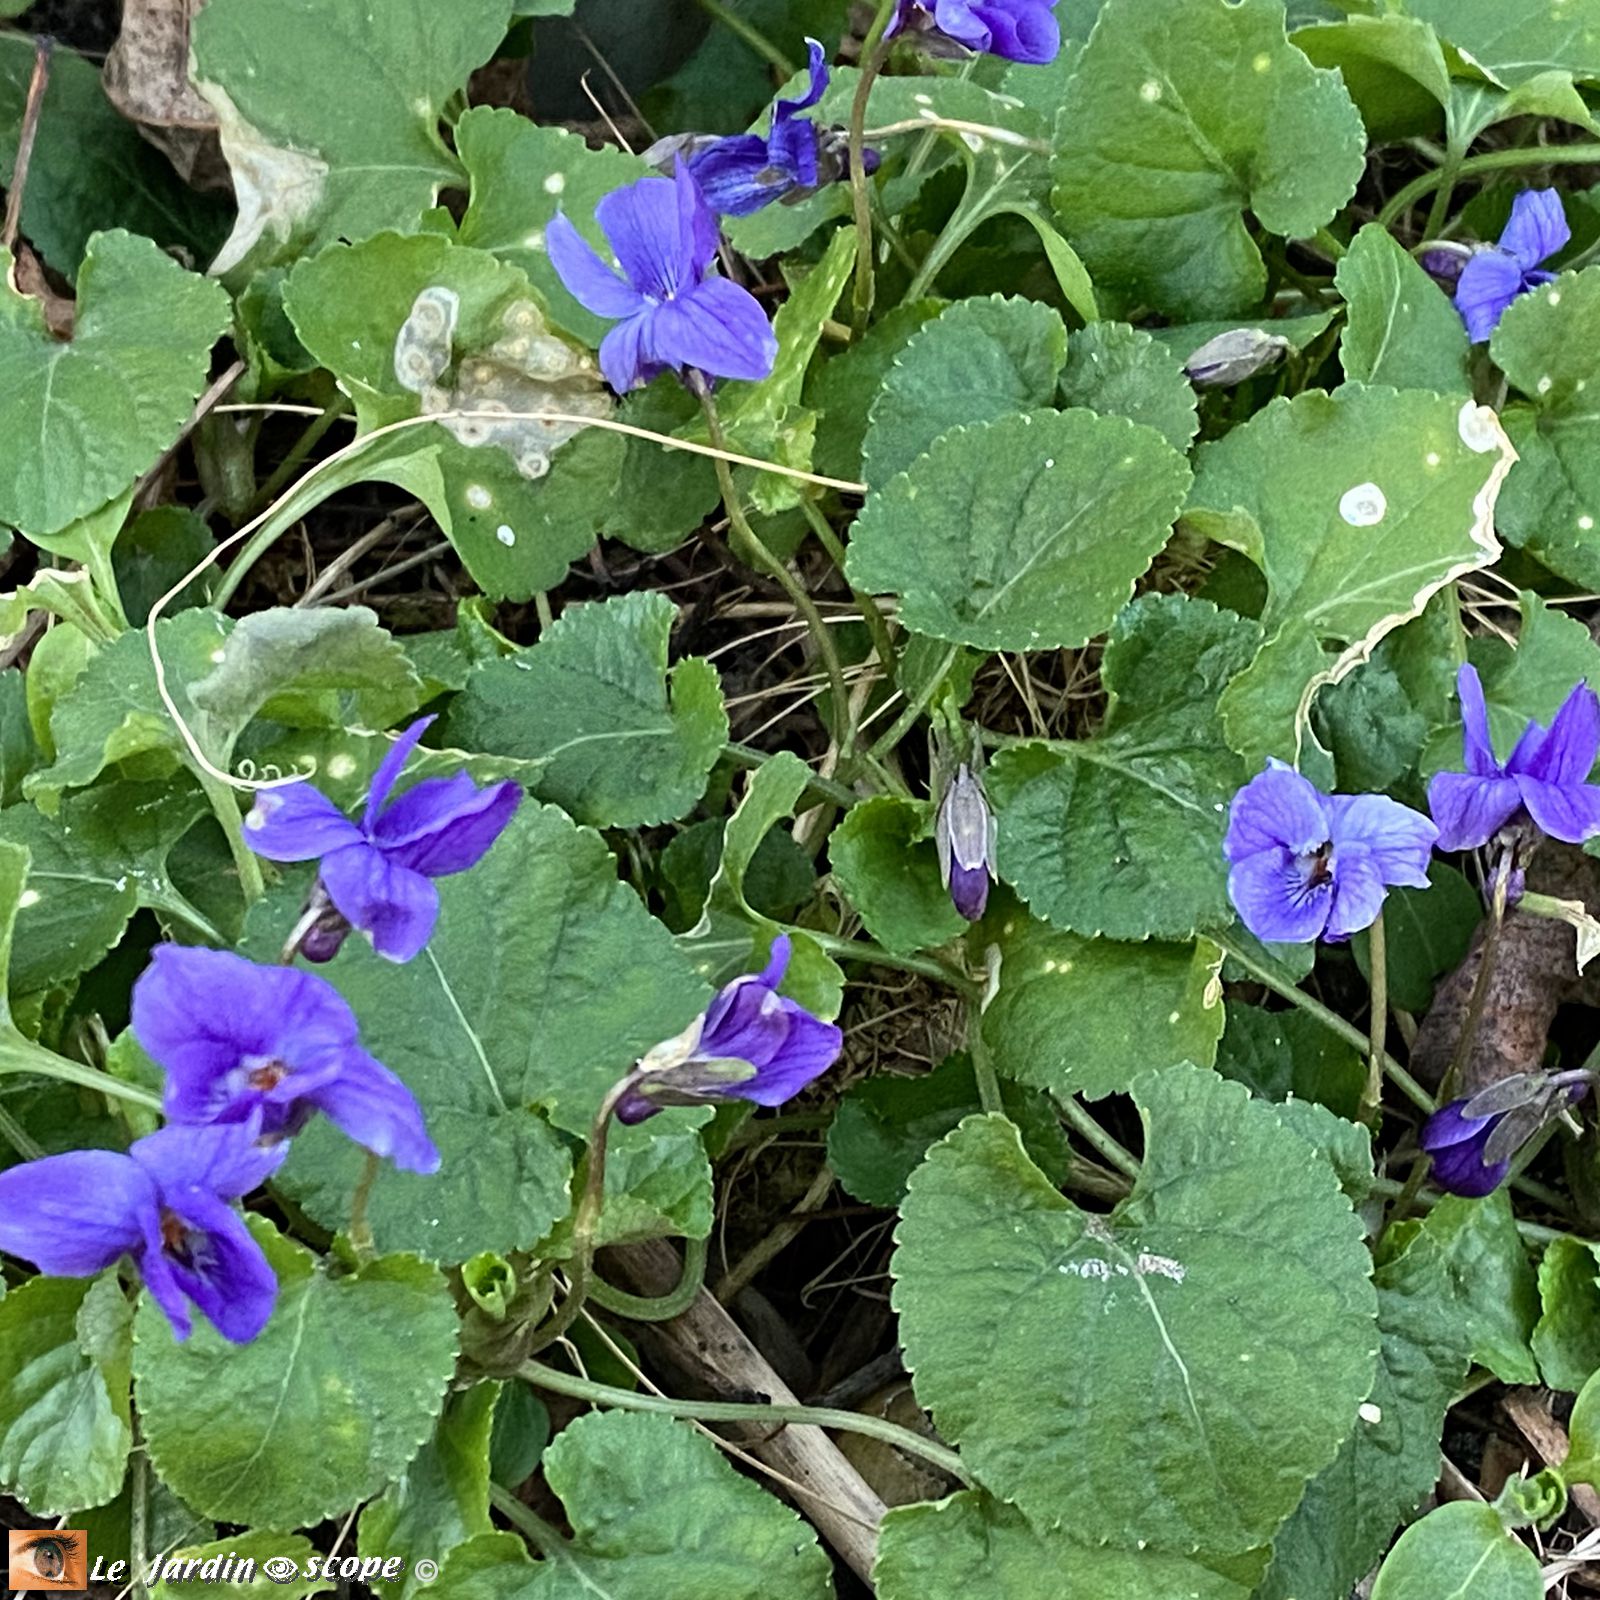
point(586, 1220)
point(874, 53)
point(1378, 1022)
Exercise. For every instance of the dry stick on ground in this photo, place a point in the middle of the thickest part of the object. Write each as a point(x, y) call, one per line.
point(708, 1351)
point(30, 127)
point(1535, 972)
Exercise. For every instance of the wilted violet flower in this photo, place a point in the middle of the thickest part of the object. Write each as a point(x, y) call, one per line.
point(965, 834)
point(1457, 1144)
point(675, 312)
point(750, 1044)
point(1474, 1141)
point(744, 172)
point(1494, 276)
point(1546, 774)
point(1308, 865)
point(165, 1204)
point(270, 1046)
point(1019, 30)
point(378, 873)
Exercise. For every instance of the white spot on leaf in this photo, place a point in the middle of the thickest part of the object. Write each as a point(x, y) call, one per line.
point(1478, 427)
point(1363, 506)
point(506, 534)
point(478, 497)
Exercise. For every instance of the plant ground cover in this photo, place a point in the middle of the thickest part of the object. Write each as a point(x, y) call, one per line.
point(806, 814)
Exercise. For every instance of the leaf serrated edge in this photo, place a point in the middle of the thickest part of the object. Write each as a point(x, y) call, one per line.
point(318, 1269)
point(1042, 414)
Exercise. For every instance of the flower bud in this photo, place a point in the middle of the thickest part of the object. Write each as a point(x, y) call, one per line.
point(966, 836)
point(1233, 356)
point(321, 942)
point(1443, 260)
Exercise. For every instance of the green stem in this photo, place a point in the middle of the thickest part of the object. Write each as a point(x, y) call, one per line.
point(359, 1233)
point(586, 1222)
point(18, 1054)
point(18, 1137)
point(907, 720)
point(752, 36)
point(955, 233)
point(139, 1514)
point(824, 788)
point(1440, 209)
point(1378, 1023)
point(1397, 1075)
point(1427, 1199)
point(661, 1307)
point(875, 955)
point(758, 555)
point(1093, 1134)
point(1494, 161)
point(548, 1540)
point(181, 909)
point(757, 1130)
point(987, 1079)
point(298, 451)
point(874, 52)
point(870, 614)
point(1330, 245)
point(602, 1394)
point(225, 808)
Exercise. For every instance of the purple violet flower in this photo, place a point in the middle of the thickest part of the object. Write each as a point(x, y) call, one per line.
point(378, 873)
point(1312, 866)
point(1546, 775)
point(1456, 1142)
point(750, 1044)
point(1495, 275)
point(269, 1046)
point(965, 834)
point(165, 1204)
point(744, 172)
point(1019, 30)
point(673, 312)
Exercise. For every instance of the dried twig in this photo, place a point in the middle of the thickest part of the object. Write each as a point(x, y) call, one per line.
point(42, 47)
point(708, 1350)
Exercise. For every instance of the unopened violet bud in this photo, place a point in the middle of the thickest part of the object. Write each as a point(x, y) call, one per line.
point(323, 940)
point(1233, 356)
point(966, 836)
point(1443, 260)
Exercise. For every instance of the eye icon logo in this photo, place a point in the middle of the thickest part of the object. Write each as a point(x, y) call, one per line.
point(48, 1560)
